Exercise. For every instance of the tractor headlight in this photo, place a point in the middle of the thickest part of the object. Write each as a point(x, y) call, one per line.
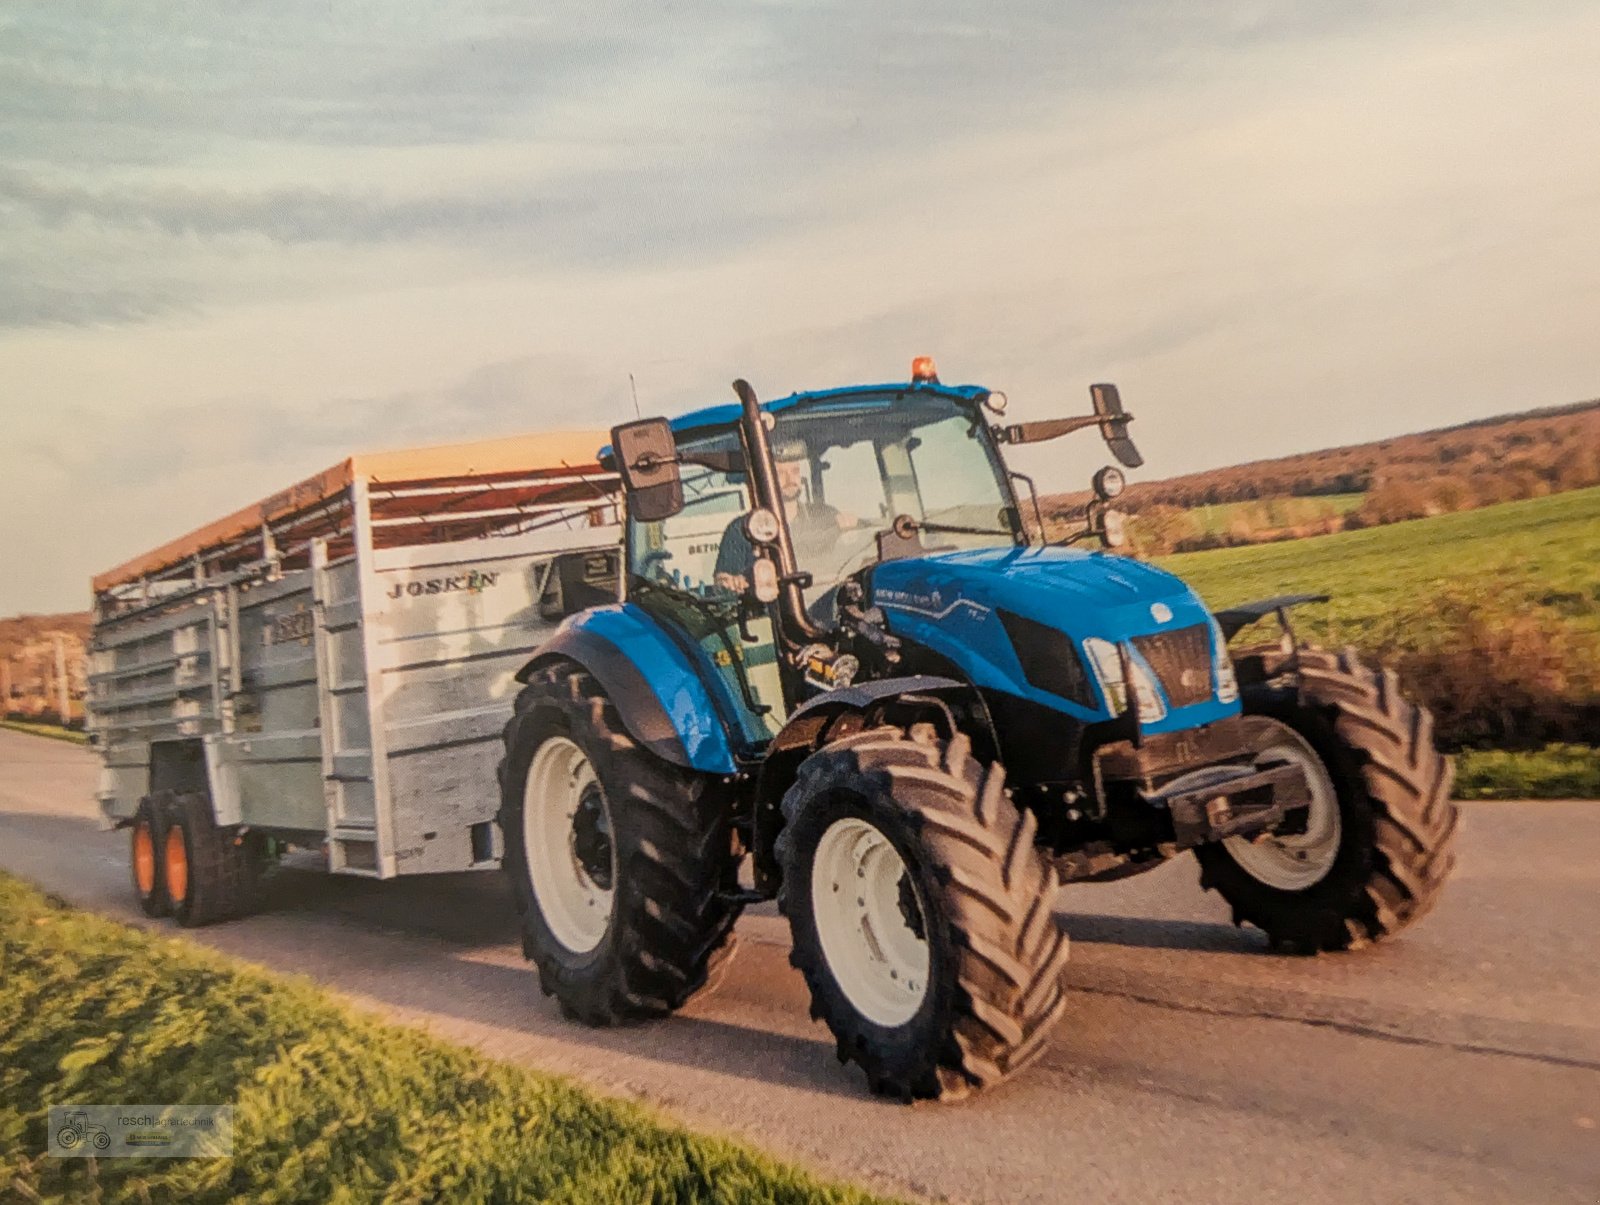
point(1222, 665)
point(1109, 483)
point(1106, 659)
point(761, 525)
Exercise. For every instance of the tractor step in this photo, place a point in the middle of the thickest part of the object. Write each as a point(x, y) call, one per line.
point(743, 896)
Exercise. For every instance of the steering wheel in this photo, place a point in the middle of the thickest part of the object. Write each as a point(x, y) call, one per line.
point(653, 561)
point(862, 543)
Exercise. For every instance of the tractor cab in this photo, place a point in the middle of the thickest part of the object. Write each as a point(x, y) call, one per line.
point(848, 464)
point(755, 527)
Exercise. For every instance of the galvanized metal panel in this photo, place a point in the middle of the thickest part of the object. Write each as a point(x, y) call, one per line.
point(361, 697)
point(455, 624)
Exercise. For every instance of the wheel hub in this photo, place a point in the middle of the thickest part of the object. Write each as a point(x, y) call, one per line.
point(910, 910)
point(870, 922)
point(591, 837)
point(144, 858)
point(567, 843)
point(1299, 852)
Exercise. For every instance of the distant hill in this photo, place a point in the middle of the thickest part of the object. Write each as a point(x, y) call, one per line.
point(22, 631)
point(1478, 463)
point(1559, 445)
point(27, 651)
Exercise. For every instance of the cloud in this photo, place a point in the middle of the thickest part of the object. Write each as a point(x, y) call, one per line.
point(246, 242)
point(266, 439)
point(161, 141)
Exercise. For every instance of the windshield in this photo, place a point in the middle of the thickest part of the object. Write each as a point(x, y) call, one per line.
point(847, 468)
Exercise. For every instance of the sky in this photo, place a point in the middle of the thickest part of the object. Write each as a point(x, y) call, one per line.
point(240, 242)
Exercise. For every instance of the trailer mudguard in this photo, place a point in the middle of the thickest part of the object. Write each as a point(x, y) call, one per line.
point(660, 697)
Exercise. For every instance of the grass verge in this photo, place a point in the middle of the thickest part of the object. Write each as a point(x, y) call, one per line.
point(1554, 772)
point(328, 1105)
point(53, 731)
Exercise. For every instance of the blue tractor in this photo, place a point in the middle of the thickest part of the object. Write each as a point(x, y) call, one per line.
point(851, 673)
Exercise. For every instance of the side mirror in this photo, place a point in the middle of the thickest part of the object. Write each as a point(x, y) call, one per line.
point(1114, 424)
point(647, 462)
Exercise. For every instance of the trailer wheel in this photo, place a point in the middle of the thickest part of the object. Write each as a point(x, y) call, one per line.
point(921, 912)
point(1372, 852)
point(210, 874)
point(144, 859)
point(617, 859)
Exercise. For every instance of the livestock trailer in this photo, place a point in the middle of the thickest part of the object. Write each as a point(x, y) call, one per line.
point(333, 666)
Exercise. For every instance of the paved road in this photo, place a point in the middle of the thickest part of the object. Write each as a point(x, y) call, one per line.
point(1461, 1063)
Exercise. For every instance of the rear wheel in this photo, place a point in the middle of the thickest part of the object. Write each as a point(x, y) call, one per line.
point(210, 874)
point(921, 912)
point(1371, 853)
point(617, 859)
point(149, 883)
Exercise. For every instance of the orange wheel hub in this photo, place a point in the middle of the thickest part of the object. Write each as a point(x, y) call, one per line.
point(144, 858)
point(177, 865)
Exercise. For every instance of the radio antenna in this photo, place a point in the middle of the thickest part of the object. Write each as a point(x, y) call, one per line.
point(634, 385)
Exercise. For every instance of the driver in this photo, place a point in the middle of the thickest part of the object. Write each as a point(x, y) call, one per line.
point(813, 526)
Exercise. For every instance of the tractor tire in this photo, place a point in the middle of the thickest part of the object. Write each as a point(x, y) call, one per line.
point(617, 859)
point(1388, 829)
point(944, 975)
point(144, 860)
point(209, 874)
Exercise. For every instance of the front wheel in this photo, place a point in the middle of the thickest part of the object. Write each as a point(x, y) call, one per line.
point(1370, 854)
point(921, 912)
point(617, 859)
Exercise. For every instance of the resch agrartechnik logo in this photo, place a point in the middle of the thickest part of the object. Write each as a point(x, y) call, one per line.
point(141, 1131)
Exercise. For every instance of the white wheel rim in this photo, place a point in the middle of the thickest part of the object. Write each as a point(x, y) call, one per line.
point(1294, 861)
point(873, 953)
point(561, 781)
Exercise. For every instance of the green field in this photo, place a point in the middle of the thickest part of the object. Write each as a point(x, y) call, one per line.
point(1554, 772)
point(1543, 553)
point(1271, 514)
point(53, 731)
point(328, 1105)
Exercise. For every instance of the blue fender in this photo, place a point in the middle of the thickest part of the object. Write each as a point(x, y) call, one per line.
point(657, 691)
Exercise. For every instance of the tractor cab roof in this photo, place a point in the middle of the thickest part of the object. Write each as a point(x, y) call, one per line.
point(727, 414)
point(709, 418)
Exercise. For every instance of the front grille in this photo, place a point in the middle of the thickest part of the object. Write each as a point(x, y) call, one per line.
point(1182, 662)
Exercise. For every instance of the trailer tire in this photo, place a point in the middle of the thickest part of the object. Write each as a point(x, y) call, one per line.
point(209, 874)
point(144, 860)
point(1395, 822)
point(909, 818)
point(649, 842)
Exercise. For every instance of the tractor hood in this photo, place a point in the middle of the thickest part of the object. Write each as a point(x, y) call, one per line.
point(958, 605)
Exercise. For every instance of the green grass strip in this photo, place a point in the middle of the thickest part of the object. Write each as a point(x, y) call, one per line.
point(329, 1105)
point(1544, 552)
point(54, 732)
point(1554, 772)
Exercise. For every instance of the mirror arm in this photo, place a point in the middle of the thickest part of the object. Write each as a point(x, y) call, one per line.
point(1050, 428)
point(648, 462)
